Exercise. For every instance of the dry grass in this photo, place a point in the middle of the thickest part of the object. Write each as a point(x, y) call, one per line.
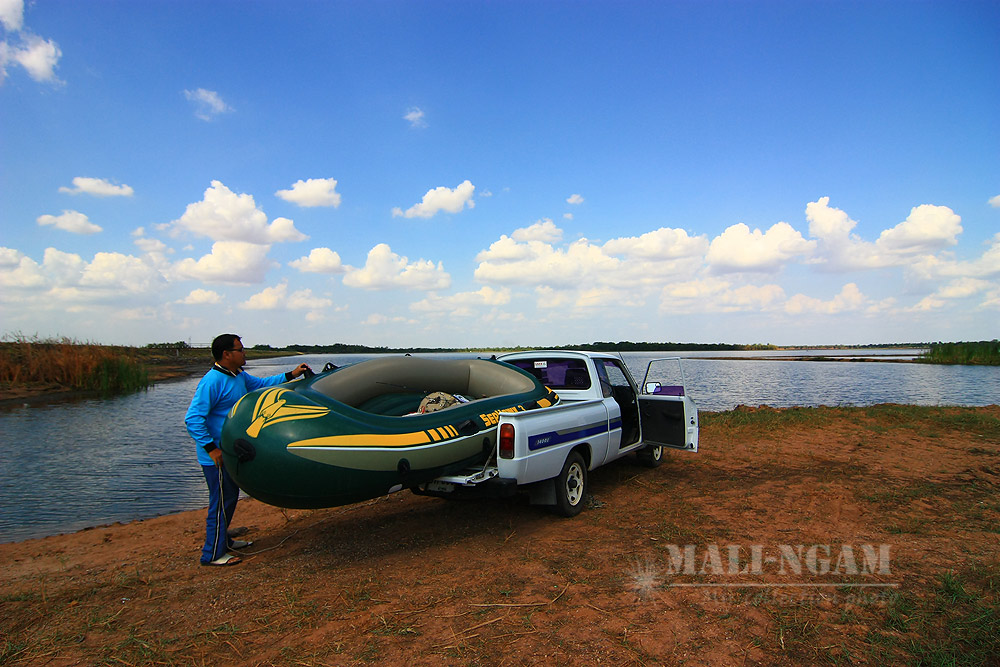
point(72, 365)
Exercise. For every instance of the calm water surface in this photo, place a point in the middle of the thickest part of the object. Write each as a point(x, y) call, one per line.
point(69, 466)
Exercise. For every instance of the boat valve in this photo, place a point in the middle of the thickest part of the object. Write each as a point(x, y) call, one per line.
point(245, 452)
point(467, 427)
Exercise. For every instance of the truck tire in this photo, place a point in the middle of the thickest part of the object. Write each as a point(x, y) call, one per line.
point(650, 456)
point(571, 485)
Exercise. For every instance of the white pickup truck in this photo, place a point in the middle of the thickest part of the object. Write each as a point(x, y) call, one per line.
point(601, 416)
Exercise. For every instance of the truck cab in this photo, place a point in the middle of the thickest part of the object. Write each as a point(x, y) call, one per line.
point(653, 415)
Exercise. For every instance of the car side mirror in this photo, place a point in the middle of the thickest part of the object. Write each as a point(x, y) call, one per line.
point(651, 387)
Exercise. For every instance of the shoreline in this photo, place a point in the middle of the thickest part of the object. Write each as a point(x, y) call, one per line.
point(43, 394)
point(416, 580)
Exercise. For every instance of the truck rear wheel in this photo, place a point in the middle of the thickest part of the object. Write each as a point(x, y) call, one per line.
point(571, 485)
point(650, 456)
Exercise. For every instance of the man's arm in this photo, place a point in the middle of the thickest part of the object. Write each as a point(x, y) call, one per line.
point(253, 383)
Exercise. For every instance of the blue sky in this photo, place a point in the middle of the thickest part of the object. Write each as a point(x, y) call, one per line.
point(500, 173)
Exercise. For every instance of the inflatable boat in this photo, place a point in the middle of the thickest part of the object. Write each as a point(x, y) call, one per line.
point(361, 431)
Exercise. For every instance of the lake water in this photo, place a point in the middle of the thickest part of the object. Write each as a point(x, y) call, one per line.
point(69, 466)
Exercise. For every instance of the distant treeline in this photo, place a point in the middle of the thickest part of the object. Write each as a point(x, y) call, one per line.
point(347, 348)
point(600, 346)
point(984, 352)
point(629, 346)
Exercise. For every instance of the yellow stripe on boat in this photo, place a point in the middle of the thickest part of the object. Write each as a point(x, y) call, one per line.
point(413, 439)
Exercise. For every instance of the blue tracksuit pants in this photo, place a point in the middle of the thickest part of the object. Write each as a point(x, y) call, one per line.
point(222, 496)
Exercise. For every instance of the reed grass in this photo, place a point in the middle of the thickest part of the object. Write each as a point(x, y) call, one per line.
point(982, 353)
point(89, 367)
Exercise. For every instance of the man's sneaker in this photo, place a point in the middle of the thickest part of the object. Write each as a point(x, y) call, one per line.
point(227, 559)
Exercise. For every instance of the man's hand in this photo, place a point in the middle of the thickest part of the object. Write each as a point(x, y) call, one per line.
point(300, 370)
point(216, 455)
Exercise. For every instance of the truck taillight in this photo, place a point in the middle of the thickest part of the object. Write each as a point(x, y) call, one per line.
point(506, 441)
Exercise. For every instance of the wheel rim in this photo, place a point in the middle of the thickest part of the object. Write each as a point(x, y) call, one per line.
point(574, 484)
point(657, 453)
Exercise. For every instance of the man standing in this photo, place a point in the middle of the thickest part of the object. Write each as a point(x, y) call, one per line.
point(217, 392)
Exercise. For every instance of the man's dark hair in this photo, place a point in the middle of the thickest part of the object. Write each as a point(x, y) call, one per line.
point(222, 343)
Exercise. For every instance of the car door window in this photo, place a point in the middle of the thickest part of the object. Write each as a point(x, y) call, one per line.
point(613, 372)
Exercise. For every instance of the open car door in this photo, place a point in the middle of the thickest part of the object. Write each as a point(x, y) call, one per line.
point(668, 416)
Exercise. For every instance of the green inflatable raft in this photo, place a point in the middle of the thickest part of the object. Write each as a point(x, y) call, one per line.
point(361, 431)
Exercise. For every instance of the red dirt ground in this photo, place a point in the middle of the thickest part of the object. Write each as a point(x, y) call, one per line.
point(414, 580)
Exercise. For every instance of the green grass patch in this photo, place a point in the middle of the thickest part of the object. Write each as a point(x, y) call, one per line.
point(929, 420)
point(957, 624)
point(904, 494)
point(883, 418)
point(765, 418)
point(11, 650)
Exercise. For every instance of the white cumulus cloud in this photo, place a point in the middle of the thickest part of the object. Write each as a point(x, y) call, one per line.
point(18, 271)
point(278, 298)
point(122, 272)
point(9, 257)
point(97, 187)
point(319, 260)
point(39, 57)
point(313, 192)
point(416, 117)
point(927, 229)
point(200, 297)
point(385, 270)
point(441, 199)
point(964, 287)
point(70, 221)
point(662, 243)
point(574, 199)
point(12, 14)
point(839, 247)
point(932, 267)
point(713, 295)
point(151, 245)
point(849, 299)
point(544, 230)
point(207, 103)
point(223, 215)
point(72, 280)
point(995, 201)
point(738, 249)
point(230, 262)
point(622, 271)
point(534, 263)
point(63, 268)
point(960, 288)
point(464, 304)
